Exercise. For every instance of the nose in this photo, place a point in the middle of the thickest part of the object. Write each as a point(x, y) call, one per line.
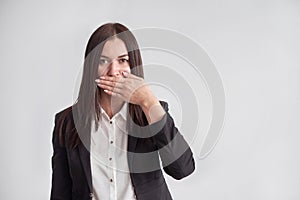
point(114, 69)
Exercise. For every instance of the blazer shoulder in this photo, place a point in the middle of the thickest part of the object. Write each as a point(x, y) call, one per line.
point(63, 113)
point(63, 123)
point(64, 116)
point(165, 105)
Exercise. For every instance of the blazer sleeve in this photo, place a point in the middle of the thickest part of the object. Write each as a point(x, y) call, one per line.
point(61, 188)
point(175, 153)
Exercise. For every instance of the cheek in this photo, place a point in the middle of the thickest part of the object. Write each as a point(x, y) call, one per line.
point(102, 70)
point(127, 69)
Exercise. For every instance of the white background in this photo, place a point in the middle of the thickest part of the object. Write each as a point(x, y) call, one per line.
point(254, 44)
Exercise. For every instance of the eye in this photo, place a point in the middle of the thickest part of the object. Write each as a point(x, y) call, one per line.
point(103, 61)
point(124, 60)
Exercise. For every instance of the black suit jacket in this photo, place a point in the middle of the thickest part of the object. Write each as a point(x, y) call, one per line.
point(71, 168)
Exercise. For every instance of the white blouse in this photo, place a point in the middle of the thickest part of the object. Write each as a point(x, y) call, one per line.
point(109, 166)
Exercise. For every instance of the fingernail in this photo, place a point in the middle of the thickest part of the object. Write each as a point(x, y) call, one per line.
point(102, 77)
point(124, 74)
point(97, 80)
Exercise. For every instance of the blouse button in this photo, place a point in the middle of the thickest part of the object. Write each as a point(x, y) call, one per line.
point(91, 195)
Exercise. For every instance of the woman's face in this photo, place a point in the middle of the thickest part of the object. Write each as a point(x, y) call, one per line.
point(114, 58)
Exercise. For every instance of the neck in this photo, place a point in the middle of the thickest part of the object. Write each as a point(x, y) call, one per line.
point(110, 104)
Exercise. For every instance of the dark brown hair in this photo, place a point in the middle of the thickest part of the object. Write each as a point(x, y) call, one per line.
point(87, 105)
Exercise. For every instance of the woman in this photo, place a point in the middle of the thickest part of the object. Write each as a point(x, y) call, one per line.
point(107, 145)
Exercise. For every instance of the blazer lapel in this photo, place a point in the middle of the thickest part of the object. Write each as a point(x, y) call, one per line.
point(132, 141)
point(86, 164)
point(131, 145)
point(84, 149)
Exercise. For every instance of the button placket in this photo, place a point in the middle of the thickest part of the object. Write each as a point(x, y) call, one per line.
point(111, 141)
point(110, 158)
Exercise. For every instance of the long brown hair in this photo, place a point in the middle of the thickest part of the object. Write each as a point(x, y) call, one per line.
point(87, 105)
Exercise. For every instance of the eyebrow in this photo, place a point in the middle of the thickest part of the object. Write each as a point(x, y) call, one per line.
point(118, 56)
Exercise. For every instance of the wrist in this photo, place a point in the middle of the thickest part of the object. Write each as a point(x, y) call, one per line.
point(147, 103)
point(153, 110)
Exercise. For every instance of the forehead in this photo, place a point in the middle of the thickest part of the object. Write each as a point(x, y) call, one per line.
point(114, 48)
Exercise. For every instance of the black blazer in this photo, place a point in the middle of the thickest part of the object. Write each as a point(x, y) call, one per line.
point(71, 169)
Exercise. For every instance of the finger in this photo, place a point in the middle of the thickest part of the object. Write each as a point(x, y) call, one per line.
point(118, 92)
point(105, 87)
point(110, 88)
point(113, 94)
point(109, 83)
point(111, 78)
point(132, 76)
